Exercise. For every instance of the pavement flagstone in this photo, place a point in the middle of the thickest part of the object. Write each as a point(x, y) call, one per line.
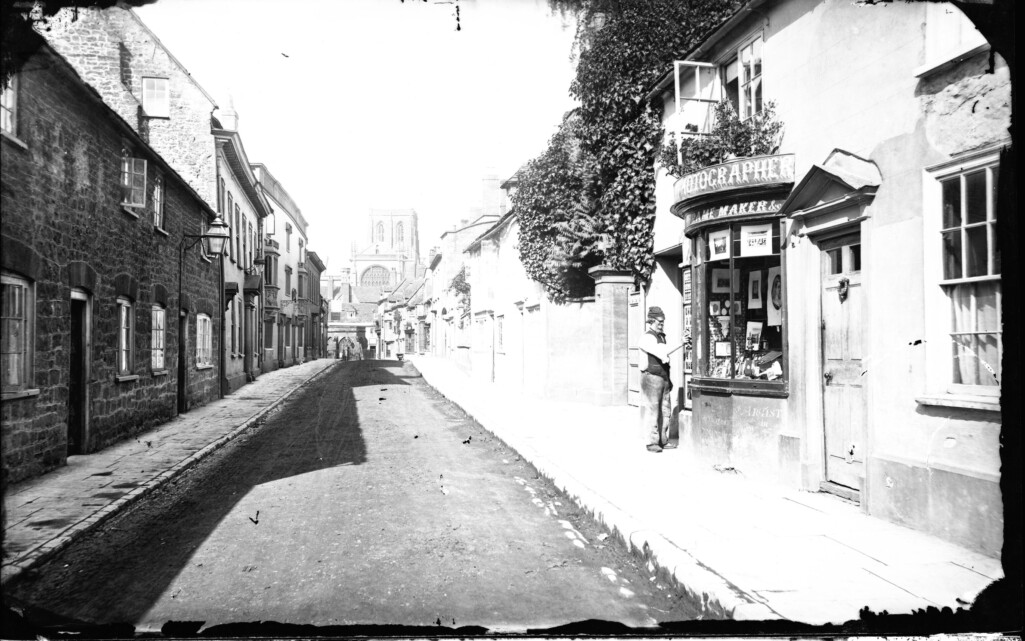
point(44, 514)
point(747, 550)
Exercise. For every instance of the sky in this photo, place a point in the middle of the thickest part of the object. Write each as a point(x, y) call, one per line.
point(360, 104)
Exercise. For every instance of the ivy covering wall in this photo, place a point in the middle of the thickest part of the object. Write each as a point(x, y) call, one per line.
point(590, 197)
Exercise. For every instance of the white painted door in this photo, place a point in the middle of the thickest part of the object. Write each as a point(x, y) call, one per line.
point(843, 371)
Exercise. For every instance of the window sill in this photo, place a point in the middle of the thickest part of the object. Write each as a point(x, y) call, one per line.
point(159, 372)
point(161, 231)
point(963, 401)
point(774, 389)
point(8, 136)
point(128, 209)
point(25, 393)
point(204, 366)
point(128, 378)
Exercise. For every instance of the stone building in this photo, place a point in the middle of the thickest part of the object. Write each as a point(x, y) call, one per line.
point(244, 207)
point(316, 330)
point(143, 82)
point(391, 251)
point(286, 278)
point(98, 343)
point(843, 292)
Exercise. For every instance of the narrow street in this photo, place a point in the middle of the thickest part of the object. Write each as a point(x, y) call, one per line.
point(367, 498)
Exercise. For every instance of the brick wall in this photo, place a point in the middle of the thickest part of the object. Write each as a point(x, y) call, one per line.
point(61, 205)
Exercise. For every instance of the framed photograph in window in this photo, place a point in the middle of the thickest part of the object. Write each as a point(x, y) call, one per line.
point(719, 244)
point(688, 402)
point(774, 307)
point(721, 281)
point(754, 336)
point(714, 308)
point(722, 349)
point(754, 290)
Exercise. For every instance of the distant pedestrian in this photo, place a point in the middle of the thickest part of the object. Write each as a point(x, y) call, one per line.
point(338, 347)
point(656, 404)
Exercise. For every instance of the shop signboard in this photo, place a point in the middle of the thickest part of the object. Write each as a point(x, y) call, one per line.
point(741, 173)
point(734, 209)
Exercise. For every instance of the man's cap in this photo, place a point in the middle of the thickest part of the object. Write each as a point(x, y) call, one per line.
point(655, 313)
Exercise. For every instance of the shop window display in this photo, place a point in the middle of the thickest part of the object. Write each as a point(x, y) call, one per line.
point(743, 301)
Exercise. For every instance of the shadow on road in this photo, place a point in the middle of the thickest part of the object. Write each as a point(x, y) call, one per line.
point(117, 573)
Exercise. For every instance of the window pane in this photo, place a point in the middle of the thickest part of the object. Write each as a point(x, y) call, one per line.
point(987, 310)
point(989, 357)
point(977, 244)
point(13, 366)
point(975, 196)
point(951, 203)
point(966, 365)
point(855, 258)
point(835, 258)
point(952, 254)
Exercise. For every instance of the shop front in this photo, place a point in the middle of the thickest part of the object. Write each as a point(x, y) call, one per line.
point(738, 385)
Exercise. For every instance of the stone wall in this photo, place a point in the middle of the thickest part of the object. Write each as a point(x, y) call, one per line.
point(113, 51)
point(63, 226)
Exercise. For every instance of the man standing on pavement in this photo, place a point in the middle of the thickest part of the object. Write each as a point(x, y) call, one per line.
point(656, 402)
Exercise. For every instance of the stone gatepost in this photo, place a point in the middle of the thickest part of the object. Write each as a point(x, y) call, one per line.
point(612, 296)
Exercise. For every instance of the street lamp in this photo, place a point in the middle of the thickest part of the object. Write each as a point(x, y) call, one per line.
point(216, 237)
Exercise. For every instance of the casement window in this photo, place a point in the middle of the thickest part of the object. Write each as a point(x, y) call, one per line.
point(158, 201)
point(252, 245)
point(700, 85)
point(245, 243)
point(380, 232)
point(288, 279)
point(288, 237)
point(232, 229)
point(125, 336)
point(9, 107)
point(302, 286)
point(220, 195)
point(399, 234)
point(964, 259)
point(204, 341)
point(238, 234)
point(742, 79)
point(158, 336)
point(156, 97)
point(133, 180)
point(17, 320)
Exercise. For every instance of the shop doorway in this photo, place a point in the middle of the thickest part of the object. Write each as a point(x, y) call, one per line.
point(78, 374)
point(843, 374)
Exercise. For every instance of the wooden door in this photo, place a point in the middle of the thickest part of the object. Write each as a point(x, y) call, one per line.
point(634, 329)
point(843, 372)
